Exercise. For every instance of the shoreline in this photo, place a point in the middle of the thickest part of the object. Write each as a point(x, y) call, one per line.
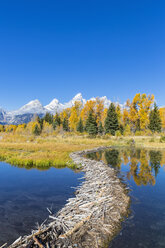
point(92, 217)
point(45, 152)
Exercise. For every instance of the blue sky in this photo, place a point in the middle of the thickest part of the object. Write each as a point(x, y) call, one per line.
point(55, 49)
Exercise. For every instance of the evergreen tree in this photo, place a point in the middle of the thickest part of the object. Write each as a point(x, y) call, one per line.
point(48, 118)
point(3, 128)
point(37, 119)
point(155, 160)
point(88, 120)
point(40, 121)
point(155, 123)
point(65, 125)
point(80, 127)
point(100, 128)
point(91, 125)
point(37, 130)
point(56, 121)
point(111, 121)
point(121, 128)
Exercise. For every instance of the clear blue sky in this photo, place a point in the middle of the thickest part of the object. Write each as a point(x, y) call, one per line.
point(55, 49)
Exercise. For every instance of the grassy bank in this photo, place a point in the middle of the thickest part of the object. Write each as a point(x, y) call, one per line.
point(43, 152)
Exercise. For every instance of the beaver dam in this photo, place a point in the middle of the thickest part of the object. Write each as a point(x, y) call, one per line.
point(91, 218)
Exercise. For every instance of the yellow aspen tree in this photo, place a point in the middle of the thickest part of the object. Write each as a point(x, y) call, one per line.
point(73, 120)
point(145, 172)
point(162, 116)
point(88, 107)
point(127, 130)
point(65, 114)
point(20, 129)
point(133, 113)
point(29, 128)
point(74, 116)
point(10, 128)
point(1, 128)
point(145, 102)
point(99, 110)
point(47, 128)
point(119, 114)
point(104, 115)
point(139, 110)
point(125, 116)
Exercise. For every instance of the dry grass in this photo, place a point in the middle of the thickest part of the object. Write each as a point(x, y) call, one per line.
point(43, 152)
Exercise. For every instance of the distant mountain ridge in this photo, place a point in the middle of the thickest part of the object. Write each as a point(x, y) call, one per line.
point(26, 112)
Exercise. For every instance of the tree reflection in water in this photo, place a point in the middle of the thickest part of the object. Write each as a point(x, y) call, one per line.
point(143, 164)
point(112, 158)
point(155, 160)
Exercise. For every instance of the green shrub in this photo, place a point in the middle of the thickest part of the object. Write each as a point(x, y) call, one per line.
point(138, 133)
point(131, 142)
point(118, 133)
point(127, 130)
point(148, 132)
point(107, 136)
point(152, 140)
point(162, 139)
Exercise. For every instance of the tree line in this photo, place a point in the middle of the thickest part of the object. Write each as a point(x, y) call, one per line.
point(141, 115)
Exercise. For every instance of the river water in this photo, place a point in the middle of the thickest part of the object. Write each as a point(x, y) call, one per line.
point(144, 171)
point(26, 194)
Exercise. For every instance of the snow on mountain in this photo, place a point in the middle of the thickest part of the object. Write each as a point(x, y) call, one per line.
point(104, 99)
point(55, 106)
point(52, 106)
point(32, 107)
point(2, 114)
point(26, 112)
point(77, 97)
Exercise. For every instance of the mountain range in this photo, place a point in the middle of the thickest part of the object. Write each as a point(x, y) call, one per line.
point(26, 112)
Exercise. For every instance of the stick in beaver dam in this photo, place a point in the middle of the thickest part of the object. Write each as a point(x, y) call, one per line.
point(89, 219)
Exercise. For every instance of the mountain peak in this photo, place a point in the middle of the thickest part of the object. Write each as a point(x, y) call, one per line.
point(53, 102)
point(32, 107)
point(25, 113)
point(77, 96)
point(52, 106)
point(33, 102)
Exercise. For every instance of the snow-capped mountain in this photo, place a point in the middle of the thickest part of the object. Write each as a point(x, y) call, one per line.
point(77, 97)
point(104, 99)
point(26, 112)
point(55, 106)
point(2, 115)
point(32, 107)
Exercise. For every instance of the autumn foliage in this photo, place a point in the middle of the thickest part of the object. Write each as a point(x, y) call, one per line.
point(135, 117)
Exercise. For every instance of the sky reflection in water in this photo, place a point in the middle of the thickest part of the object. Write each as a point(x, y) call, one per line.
point(26, 194)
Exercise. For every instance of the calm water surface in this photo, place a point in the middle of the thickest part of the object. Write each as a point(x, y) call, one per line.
point(26, 194)
point(144, 172)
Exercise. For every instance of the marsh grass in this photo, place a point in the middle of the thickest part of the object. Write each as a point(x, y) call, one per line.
point(53, 151)
point(46, 152)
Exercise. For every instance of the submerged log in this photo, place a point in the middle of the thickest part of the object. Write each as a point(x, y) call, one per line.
point(89, 219)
